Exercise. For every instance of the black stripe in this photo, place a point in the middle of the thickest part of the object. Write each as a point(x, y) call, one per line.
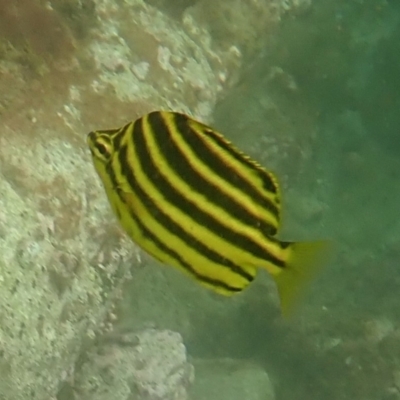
point(268, 183)
point(173, 196)
point(182, 168)
point(180, 164)
point(285, 245)
point(158, 214)
point(164, 248)
point(203, 152)
point(118, 136)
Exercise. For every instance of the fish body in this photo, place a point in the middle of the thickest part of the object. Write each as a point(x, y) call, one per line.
point(191, 199)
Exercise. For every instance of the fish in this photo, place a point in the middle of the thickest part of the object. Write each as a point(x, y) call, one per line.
point(191, 199)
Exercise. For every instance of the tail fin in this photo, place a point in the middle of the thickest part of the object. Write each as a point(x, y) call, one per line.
point(304, 261)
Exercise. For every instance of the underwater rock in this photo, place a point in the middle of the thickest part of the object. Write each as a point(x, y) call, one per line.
point(63, 262)
point(151, 365)
point(230, 379)
point(246, 24)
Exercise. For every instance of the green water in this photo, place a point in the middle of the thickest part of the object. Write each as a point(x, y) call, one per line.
point(345, 59)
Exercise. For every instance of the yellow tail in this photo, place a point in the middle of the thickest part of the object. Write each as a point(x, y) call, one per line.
point(304, 261)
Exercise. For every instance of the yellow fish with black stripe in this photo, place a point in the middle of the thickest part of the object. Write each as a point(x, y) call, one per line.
point(192, 200)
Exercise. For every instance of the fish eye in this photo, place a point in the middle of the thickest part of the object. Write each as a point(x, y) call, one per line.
point(102, 151)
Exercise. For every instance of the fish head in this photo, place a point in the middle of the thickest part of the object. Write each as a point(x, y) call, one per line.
point(101, 146)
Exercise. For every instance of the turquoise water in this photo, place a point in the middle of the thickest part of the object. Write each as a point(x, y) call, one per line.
point(344, 57)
